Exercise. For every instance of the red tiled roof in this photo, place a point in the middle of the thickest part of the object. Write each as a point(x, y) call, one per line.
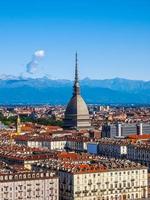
point(135, 136)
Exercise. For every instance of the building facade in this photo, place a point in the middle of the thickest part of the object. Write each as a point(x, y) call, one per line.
point(32, 186)
point(110, 184)
point(139, 153)
point(124, 129)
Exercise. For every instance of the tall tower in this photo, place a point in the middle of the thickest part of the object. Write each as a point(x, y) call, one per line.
point(18, 125)
point(77, 114)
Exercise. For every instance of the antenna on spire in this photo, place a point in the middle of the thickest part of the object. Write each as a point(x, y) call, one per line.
point(76, 81)
point(76, 67)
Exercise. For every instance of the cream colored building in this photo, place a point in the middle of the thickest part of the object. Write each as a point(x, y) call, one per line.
point(32, 186)
point(77, 144)
point(82, 182)
point(113, 148)
point(139, 153)
point(51, 144)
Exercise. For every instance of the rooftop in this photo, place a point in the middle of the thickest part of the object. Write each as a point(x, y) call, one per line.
point(86, 163)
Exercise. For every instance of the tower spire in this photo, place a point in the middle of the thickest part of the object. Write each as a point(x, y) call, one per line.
point(18, 125)
point(77, 114)
point(76, 68)
point(76, 81)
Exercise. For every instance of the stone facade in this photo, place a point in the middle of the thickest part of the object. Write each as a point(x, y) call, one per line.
point(33, 186)
point(105, 185)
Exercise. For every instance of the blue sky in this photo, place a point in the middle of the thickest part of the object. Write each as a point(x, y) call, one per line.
point(112, 37)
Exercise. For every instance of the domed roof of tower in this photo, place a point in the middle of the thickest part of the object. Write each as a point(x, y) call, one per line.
point(77, 106)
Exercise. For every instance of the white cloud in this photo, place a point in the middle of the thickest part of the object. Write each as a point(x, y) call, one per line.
point(32, 66)
point(39, 53)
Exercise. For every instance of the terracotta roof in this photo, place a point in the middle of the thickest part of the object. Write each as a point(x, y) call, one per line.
point(135, 136)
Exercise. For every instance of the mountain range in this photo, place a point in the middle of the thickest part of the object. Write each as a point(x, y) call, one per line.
point(19, 90)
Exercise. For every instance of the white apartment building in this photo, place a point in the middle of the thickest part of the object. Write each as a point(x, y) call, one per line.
point(32, 186)
point(52, 144)
point(109, 147)
point(139, 153)
point(113, 150)
point(60, 143)
point(76, 144)
point(85, 182)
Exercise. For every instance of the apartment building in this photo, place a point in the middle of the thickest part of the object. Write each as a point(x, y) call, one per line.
point(109, 147)
point(90, 177)
point(125, 129)
point(114, 182)
point(74, 143)
point(57, 143)
point(32, 186)
point(139, 153)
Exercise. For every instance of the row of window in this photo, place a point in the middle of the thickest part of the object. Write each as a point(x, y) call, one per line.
point(113, 173)
point(24, 176)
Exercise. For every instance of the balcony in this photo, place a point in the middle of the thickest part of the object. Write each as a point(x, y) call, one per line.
point(143, 186)
point(85, 191)
point(78, 192)
point(94, 190)
point(136, 187)
point(103, 190)
point(6, 193)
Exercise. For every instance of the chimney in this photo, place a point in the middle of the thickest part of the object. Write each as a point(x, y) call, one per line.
point(140, 129)
point(119, 129)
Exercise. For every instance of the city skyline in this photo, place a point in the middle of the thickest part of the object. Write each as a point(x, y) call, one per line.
point(74, 100)
point(112, 38)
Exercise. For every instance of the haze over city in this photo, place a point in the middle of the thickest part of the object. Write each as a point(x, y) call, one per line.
point(40, 38)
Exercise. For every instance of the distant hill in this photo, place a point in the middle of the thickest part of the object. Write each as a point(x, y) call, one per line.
point(18, 90)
